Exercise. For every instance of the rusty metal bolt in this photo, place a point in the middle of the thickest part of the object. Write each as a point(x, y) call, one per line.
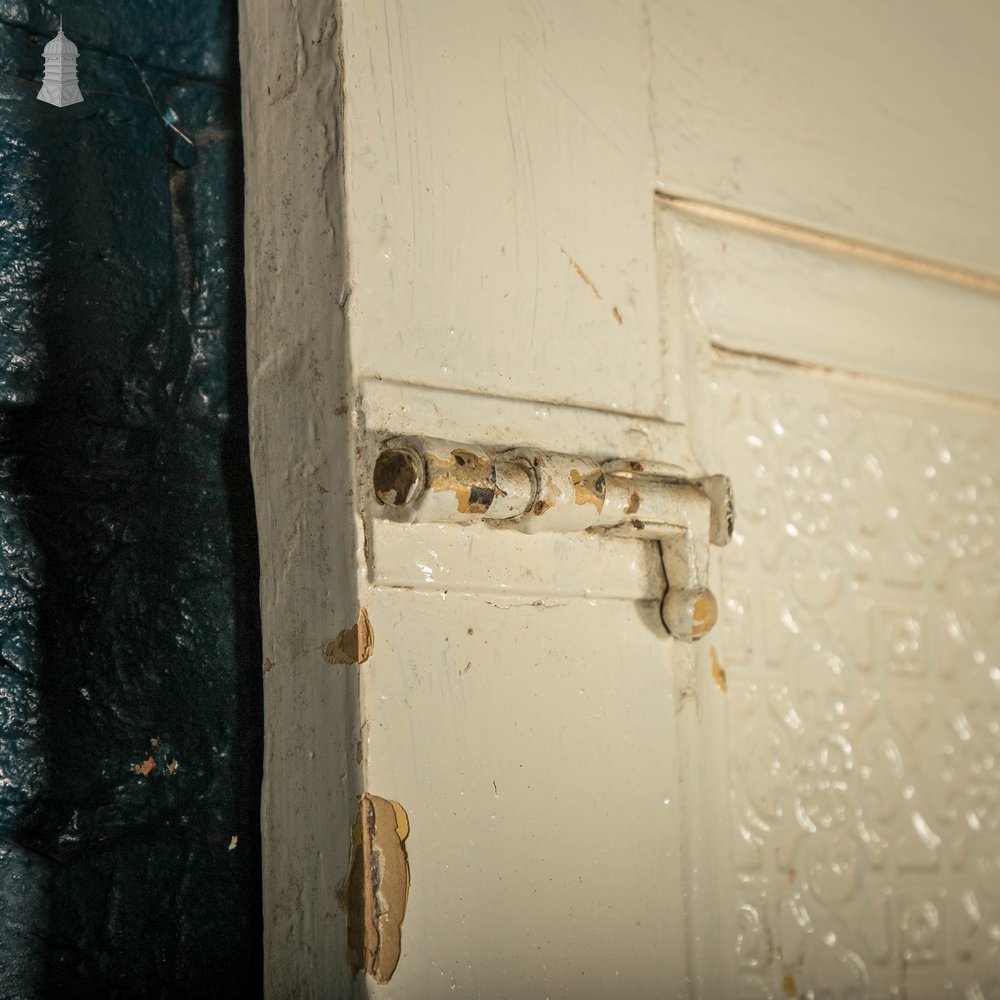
point(398, 477)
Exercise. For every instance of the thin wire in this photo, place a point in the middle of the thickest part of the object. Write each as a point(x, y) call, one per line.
point(166, 121)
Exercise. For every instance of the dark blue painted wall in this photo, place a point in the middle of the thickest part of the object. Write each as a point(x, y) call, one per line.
point(129, 630)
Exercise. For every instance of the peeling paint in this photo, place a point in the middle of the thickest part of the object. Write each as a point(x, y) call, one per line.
point(541, 506)
point(378, 883)
point(590, 488)
point(352, 645)
point(145, 768)
point(718, 672)
point(472, 480)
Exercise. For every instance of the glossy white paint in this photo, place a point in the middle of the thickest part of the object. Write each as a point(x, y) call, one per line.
point(594, 809)
point(858, 748)
point(476, 268)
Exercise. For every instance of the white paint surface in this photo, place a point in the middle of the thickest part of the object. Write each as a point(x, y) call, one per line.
point(863, 119)
point(591, 814)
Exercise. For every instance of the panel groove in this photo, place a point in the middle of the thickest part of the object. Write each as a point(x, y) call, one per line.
point(819, 240)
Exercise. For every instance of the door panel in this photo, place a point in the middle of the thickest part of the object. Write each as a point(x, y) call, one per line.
point(853, 118)
point(859, 636)
point(861, 649)
point(538, 775)
point(473, 263)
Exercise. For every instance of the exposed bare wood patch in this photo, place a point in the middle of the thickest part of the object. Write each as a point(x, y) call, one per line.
point(352, 645)
point(378, 882)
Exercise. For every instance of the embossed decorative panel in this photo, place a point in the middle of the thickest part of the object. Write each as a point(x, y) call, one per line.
point(860, 639)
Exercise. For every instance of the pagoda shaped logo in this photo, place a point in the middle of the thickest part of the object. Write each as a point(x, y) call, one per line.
point(59, 86)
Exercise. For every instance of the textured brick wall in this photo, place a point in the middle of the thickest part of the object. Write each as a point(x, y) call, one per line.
point(129, 636)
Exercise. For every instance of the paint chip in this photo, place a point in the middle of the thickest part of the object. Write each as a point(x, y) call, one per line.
point(378, 883)
point(267, 666)
point(233, 841)
point(590, 488)
point(352, 645)
point(718, 672)
point(145, 768)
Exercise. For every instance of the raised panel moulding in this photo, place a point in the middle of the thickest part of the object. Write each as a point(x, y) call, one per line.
point(786, 293)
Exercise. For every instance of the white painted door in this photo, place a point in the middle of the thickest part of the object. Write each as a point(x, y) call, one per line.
point(753, 241)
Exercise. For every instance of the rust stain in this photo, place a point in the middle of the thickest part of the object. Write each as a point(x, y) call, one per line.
point(584, 277)
point(616, 312)
point(352, 645)
point(788, 985)
point(378, 883)
point(546, 489)
point(634, 466)
point(359, 755)
point(718, 673)
point(541, 506)
point(473, 480)
point(145, 768)
point(589, 489)
point(637, 524)
point(633, 503)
